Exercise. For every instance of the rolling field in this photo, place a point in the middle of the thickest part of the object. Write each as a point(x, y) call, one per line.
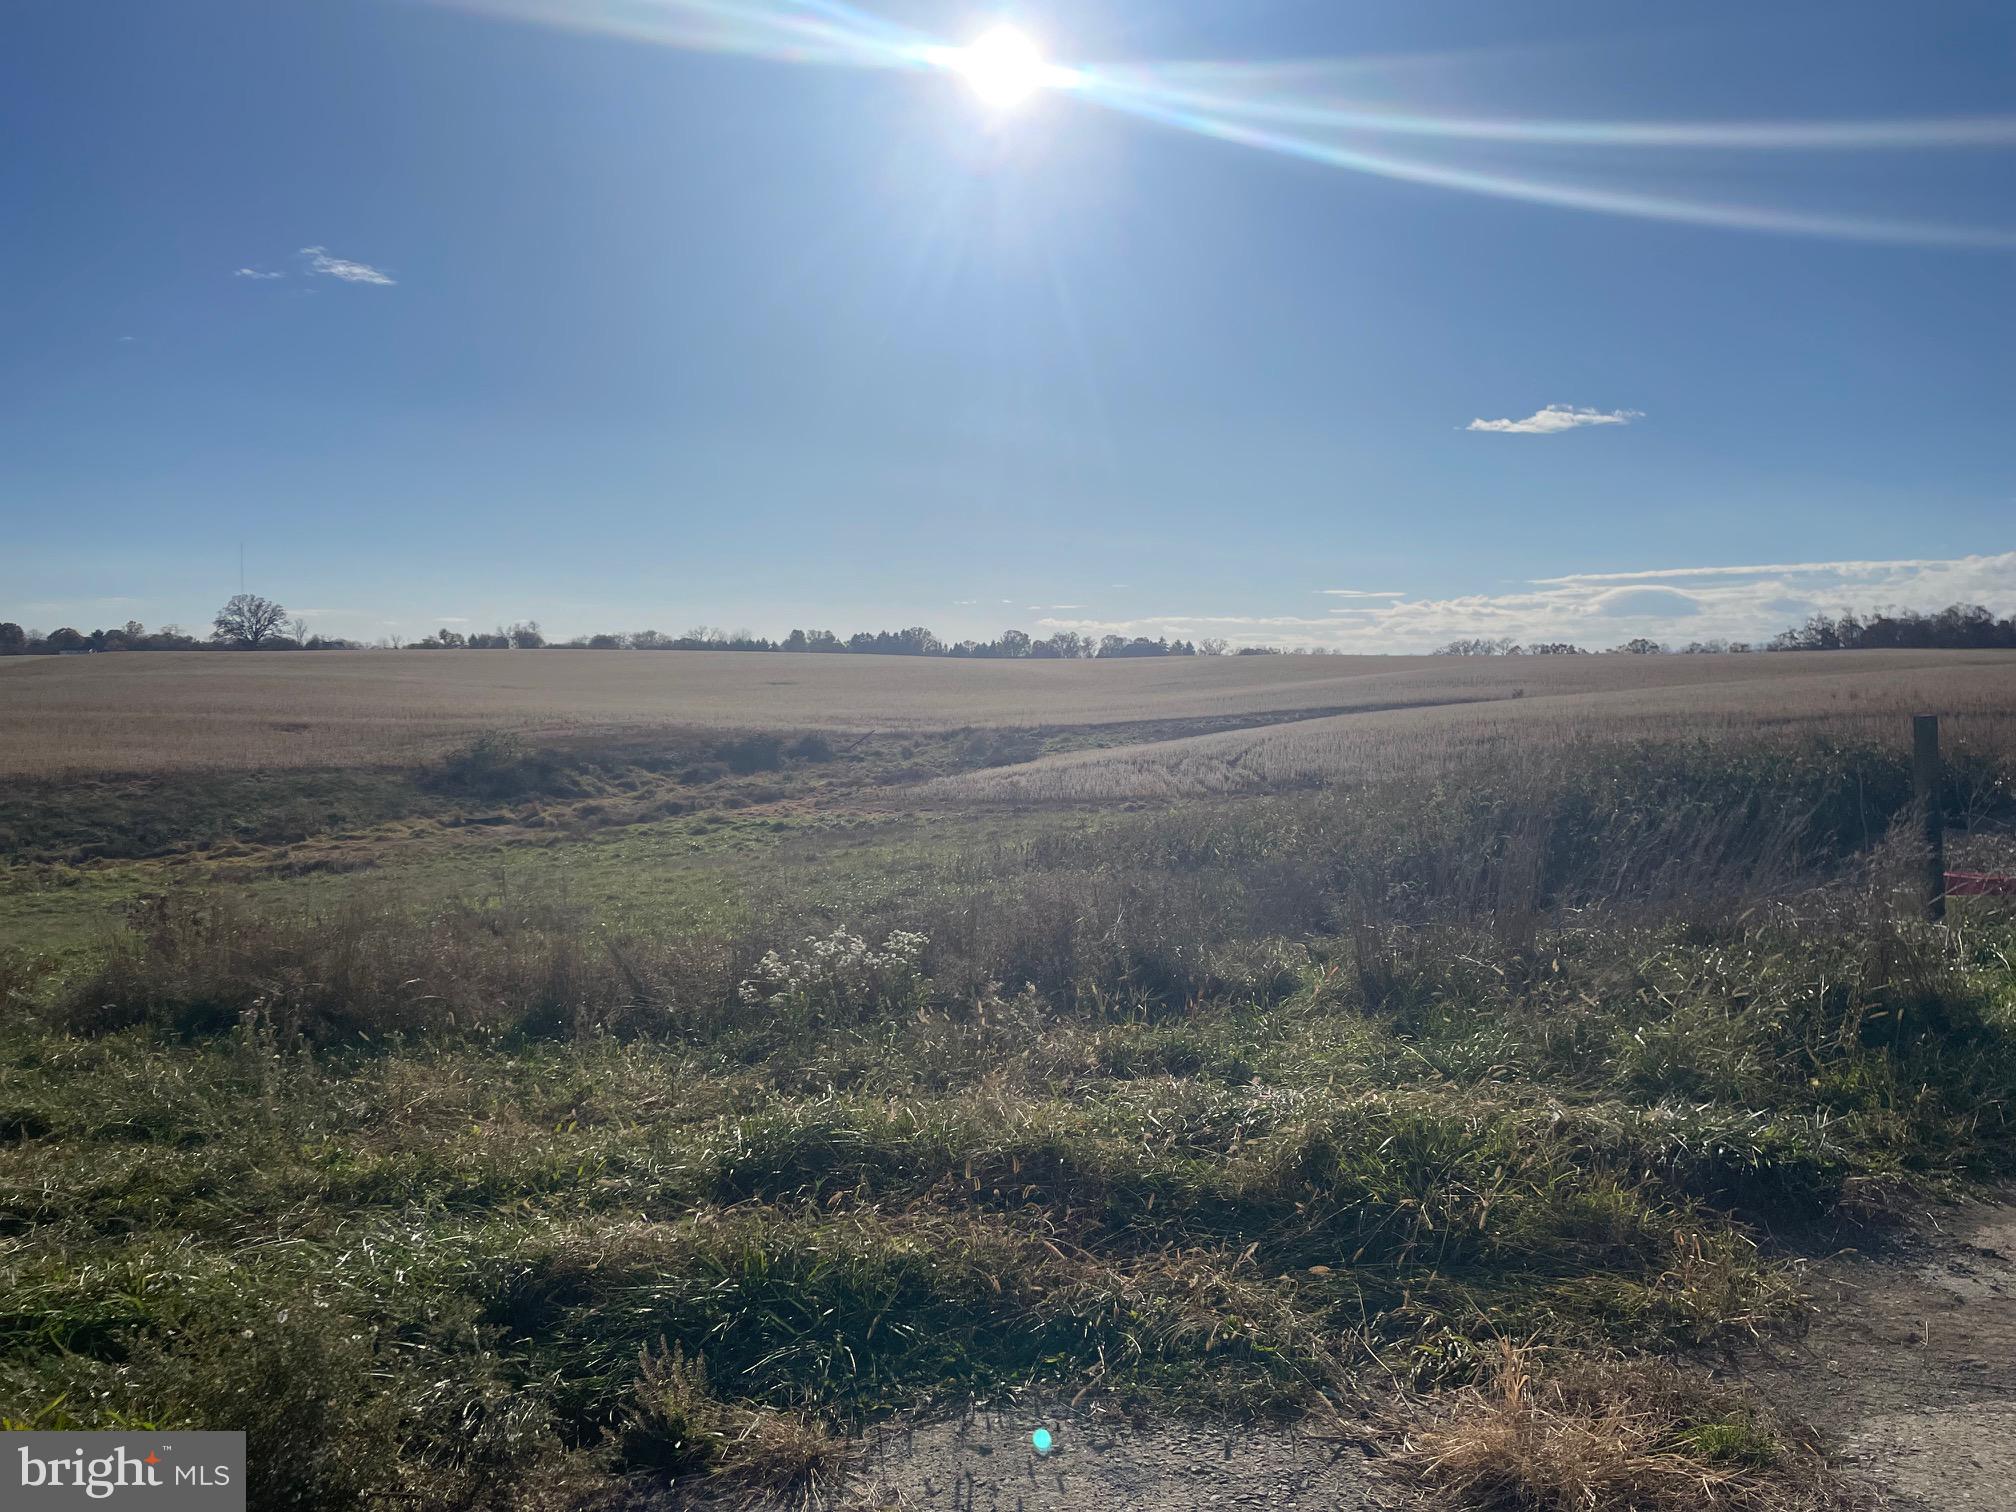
point(585, 1081)
point(1810, 696)
point(203, 711)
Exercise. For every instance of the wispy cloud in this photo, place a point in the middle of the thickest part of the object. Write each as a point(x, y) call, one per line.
point(83, 606)
point(1676, 604)
point(323, 265)
point(1836, 569)
point(1362, 592)
point(258, 273)
point(1554, 418)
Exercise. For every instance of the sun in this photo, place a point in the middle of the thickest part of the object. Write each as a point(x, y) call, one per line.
point(1003, 67)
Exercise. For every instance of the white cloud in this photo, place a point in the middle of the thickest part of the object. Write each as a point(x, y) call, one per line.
point(1172, 623)
point(1598, 610)
point(1556, 417)
point(1362, 592)
point(256, 273)
point(1838, 569)
point(323, 265)
point(1641, 601)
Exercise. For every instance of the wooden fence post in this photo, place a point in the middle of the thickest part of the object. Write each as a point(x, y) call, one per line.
point(1925, 791)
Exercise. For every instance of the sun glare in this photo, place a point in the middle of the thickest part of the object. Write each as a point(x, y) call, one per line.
point(1003, 67)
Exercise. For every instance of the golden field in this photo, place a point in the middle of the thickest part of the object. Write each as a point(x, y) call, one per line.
point(220, 711)
point(1841, 694)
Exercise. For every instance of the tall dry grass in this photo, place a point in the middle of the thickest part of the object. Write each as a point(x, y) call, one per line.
point(1645, 1437)
point(1149, 909)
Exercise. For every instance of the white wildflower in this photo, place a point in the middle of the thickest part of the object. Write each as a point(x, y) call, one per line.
point(839, 972)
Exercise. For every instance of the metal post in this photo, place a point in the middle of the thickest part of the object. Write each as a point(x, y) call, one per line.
point(1925, 792)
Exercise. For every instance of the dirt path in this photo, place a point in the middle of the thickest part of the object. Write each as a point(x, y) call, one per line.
point(1909, 1369)
point(985, 1463)
point(1908, 1372)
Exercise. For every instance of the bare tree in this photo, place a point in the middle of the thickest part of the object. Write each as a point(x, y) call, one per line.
point(298, 627)
point(249, 620)
point(1503, 646)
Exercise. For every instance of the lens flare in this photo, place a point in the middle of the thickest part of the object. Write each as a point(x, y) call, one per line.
point(1003, 67)
point(1287, 110)
point(1633, 203)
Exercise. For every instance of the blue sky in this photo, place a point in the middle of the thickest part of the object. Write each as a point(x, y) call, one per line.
point(634, 314)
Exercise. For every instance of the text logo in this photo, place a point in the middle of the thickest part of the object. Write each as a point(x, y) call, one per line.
point(146, 1472)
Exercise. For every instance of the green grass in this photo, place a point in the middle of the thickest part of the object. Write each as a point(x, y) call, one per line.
point(526, 1166)
point(1237, 1203)
point(599, 835)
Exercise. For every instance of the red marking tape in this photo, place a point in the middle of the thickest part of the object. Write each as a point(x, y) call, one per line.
point(1979, 885)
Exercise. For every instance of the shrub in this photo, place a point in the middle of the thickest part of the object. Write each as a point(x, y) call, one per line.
point(500, 765)
point(753, 753)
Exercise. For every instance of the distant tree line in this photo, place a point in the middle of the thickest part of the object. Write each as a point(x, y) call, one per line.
point(522, 636)
point(249, 622)
point(1958, 627)
point(1506, 646)
point(1065, 645)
